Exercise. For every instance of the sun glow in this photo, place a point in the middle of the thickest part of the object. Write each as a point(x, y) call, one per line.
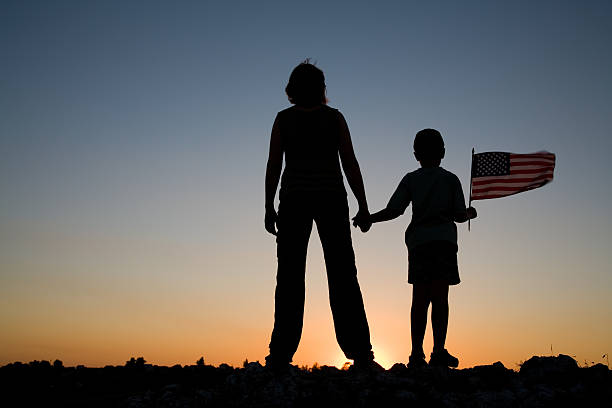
point(380, 357)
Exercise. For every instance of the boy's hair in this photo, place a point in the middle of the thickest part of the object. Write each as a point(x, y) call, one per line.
point(306, 85)
point(429, 145)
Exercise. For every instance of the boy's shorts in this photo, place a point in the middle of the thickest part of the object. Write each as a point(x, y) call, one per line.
point(433, 261)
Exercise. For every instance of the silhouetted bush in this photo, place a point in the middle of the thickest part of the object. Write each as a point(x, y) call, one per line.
point(135, 362)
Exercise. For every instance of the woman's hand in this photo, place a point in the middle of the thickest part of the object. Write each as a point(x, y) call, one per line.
point(362, 220)
point(270, 221)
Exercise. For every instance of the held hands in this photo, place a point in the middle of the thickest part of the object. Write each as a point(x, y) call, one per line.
point(362, 220)
point(270, 220)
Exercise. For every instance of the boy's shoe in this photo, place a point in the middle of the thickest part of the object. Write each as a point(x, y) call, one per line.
point(417, 361)
point(443, 359)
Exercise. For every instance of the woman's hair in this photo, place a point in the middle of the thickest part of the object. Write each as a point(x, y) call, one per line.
point(306, 85)
point(428, 144)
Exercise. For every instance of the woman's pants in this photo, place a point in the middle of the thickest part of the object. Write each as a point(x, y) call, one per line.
point(295, 217)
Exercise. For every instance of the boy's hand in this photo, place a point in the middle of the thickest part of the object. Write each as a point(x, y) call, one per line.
point(362, 220)
point(471, 213)
point(270, 221)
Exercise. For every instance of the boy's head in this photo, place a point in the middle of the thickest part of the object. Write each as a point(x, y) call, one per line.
point(429, 146)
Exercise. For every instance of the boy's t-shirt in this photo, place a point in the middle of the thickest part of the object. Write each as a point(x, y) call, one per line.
point(436, 197)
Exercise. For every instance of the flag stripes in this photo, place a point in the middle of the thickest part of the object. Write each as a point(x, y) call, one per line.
point(498, 174)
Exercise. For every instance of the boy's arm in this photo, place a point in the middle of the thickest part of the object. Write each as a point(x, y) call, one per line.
point(397, 204)
point(468, 214)
point(365, 221)
point(396, 207)
point(386, 214)
point(461, 214)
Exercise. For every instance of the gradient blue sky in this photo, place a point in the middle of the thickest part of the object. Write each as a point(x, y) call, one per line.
point(134, 139)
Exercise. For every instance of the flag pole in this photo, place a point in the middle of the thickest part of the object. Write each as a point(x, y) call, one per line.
point(471, 175)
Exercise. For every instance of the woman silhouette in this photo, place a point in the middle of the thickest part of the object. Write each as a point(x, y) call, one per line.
point(313, 137)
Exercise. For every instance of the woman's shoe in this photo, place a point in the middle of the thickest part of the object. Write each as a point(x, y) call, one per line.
point(417, 361)
point(442, 358)
point(277, 366)
point(367, 365)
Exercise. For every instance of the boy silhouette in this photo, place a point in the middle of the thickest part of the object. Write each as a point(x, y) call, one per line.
point(437, 204)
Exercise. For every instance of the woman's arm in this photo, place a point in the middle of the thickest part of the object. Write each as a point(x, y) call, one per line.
point(273, 171)
point(351, 166)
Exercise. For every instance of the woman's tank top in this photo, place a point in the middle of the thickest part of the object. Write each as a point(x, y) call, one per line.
point(310, 141)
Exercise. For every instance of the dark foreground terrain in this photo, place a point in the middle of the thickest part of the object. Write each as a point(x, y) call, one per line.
point(541, 382)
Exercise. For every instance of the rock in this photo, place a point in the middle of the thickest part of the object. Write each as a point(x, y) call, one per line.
point(504, 398)
point(544, 394)
point(134, 402)
point(494, 376)
point(598, 372)
point(253, 368)
point(398, 369)
point(405, 396)
point(550, 370)
point(172, 388)
point(203, 398)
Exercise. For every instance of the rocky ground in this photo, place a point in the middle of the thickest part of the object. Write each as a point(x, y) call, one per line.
point(541, 382)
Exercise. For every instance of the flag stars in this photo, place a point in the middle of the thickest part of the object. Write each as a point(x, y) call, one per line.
point(491, 164)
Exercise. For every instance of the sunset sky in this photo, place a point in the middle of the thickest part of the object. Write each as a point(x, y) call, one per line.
point(133, 142)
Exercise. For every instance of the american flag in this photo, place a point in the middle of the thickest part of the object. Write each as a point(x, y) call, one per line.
point(499, 174)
